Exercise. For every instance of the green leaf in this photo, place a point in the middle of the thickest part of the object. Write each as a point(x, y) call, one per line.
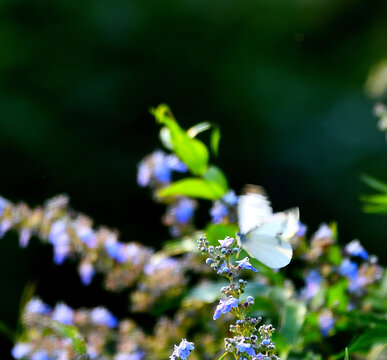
point(292, 320)
point(195, 188)
point(337, 297)
point(207, 292)
point(366, 340)
point(216, 175)
point(181, 246)
point(72, 333)
point(223, 356)
point(215, 232)
point(346, 357)
point(374, 183)
point(191, 151)
point(215, 139)
point(334, 255)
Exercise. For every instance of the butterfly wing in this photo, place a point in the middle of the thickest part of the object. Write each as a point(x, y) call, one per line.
point(253, 208)
point(268, 242)
point(271, 251)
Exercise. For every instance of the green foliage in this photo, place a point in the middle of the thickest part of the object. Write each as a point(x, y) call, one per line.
point(190, 150)
point(376, 203)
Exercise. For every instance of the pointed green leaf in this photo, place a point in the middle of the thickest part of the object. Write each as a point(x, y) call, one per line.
point(292, 320)
point(213, 173)
point(223, 356)
point(215, 139)
point(374, 183)
point(195, 188)
point(191, 151)
point(346, 354)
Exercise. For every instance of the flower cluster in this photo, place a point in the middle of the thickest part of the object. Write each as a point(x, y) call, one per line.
point(245, 343)
point(73, 235)
point(351, 270)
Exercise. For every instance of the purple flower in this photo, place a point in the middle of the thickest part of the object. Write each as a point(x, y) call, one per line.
point(136, 355)
point(245, 347)
point(354, 248)
point(245, 264)
point(5, 225)
point(326, 322)
point(87, 236)
point(25, 235)
point(324, 231)
point(218, 212)
point(101, 316)
point(158, 264)
point(313, 281)
point(226, 242)
point(63, 314)
point(348, 268)
point(183, 350)
point(40, 355)
point(21, 350)
point(225, 306)
point(37, 306)
point(3, 203)
point(86, 271)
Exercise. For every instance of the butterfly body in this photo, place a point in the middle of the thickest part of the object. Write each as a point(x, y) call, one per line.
point(264, 234)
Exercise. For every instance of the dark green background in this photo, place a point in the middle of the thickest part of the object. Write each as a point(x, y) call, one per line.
point(284, 79)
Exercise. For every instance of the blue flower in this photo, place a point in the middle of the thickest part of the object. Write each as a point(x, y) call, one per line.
point(183, 350)
point(21, 350)
point(245, 347)
point(225, 306)
point(37, 306)
point(354, 248)
point(60, 239)
point(158, 166)
point(63, 314)
point(245, 264)
point(313, 281)
point(348, 268)
point(101, 316)
point(86, 271)
point(356, 284)
point(228, 241)
point(326, 322)
point(184, 210)
point(301, 230)
point(220, 208)
point(116, 250)
point(40, 355)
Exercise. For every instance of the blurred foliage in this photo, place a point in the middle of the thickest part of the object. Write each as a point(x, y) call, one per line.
point(284, 79)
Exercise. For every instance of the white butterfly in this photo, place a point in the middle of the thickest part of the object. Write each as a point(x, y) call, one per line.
point(262, 234)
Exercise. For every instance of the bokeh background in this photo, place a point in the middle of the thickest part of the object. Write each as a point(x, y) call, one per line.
point(284, 79)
